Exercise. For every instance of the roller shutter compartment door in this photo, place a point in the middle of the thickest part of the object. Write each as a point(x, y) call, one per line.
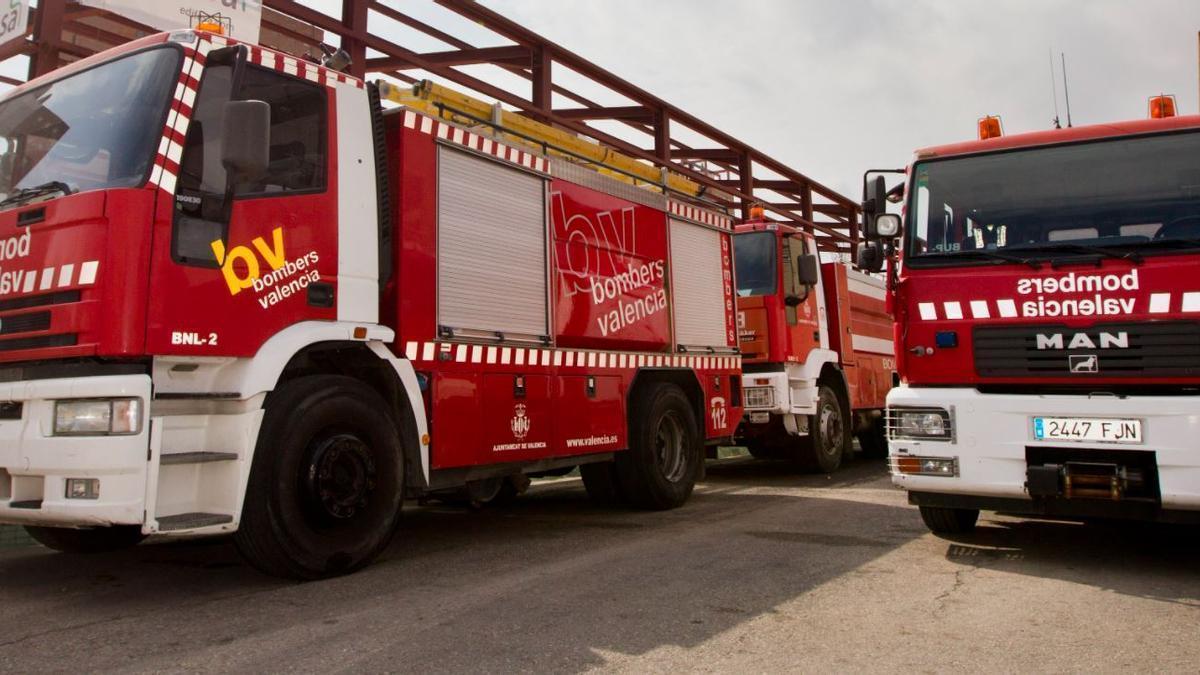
point(698, 293)
point(491, 246)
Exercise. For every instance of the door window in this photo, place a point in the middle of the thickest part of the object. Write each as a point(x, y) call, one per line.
point(298, 158)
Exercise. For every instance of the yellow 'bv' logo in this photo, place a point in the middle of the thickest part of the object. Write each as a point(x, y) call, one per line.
point(273, 256)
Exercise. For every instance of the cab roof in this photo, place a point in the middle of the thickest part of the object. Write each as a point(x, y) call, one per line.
point(1057, 136)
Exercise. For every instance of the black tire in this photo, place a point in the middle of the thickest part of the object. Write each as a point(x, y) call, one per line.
point(666, 455)
point(828, 439)
point(90, 540)
point(326, 485)
point(874, 440)
point(943, 520)
point(600, 481)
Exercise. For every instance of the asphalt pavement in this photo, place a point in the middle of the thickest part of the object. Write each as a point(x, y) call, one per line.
point(763, 571)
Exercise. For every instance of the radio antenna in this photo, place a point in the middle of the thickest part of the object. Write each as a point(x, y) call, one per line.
point(1066, 91)
point(1053, 89)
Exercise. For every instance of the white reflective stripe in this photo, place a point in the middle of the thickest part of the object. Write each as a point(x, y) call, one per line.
point(410, 351)
point(520, 360)
point(591, 361)
point(47, 279)
point(558, 356)
point(1008, 308)
point(428, 355)
point(491, 354)
point(30, 280)
point(953, 310)
point(460, 354)
point(979, 309)
point(862, 284)
point(87, 272)
point(1160, 303)
point(1191, 302)
point(928, 311)
point(505, 355)
point(863, 343)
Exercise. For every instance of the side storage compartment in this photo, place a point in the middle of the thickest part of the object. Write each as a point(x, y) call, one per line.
point(589, 412)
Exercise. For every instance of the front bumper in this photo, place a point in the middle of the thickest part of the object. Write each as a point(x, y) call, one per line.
point(992, 433)
point(35, 464)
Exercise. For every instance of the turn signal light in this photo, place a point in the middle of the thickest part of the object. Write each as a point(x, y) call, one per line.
point(989, 127)
point(211, 27)
point(1162, 106)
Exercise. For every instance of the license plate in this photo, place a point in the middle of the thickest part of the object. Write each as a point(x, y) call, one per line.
point(1096, 429)
point(760, 417)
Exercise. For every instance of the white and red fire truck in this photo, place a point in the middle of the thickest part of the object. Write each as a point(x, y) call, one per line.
point(816, 343)
point(1048, 323)
point(236, 295)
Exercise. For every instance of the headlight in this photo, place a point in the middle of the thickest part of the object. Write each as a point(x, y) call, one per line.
point(930, 424)
point(759, 397)
point(925, 466)
point(98, 417)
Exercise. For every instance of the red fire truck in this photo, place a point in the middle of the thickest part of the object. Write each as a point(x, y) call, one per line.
point(816, 343)
point(1048, 323)
point(237, 295)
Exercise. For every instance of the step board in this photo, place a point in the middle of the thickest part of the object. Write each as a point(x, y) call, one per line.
point(190, 521)
point(196, 457)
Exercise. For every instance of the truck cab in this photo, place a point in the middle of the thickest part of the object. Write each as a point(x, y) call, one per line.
point(1047, 323)
point(816, 348)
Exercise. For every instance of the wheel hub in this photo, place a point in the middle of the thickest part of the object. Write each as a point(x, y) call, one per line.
point(830, 429)
point(340, 477)
point(668, 445)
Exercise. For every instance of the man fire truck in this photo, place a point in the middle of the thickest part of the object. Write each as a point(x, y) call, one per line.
point(816, 346)
point(1048, 323)
point(236, 295)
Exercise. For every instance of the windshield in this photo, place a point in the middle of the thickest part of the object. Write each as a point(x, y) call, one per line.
point(1131, 193)
point(754, 263)
point(95, 129)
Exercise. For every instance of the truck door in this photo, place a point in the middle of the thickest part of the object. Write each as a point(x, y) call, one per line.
point(804, 324)
point(236, 262)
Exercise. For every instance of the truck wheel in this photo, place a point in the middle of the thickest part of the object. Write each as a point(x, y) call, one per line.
point(600, 481)
point(874, 440)
point(943, 520)
point(828, 439)
point(665, 454)
point(91, 540)
point(326, 485)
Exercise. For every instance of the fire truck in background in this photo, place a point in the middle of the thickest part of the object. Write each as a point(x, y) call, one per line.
point(1048, 322)
point(237, 295)
point(816, 343)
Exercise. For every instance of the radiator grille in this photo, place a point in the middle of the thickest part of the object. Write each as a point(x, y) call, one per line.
point(1147, 349)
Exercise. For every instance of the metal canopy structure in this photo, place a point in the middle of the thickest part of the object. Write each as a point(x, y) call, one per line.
point(63, 31)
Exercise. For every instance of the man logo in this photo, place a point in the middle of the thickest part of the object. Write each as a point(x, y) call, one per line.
point(1119, 340)
point(1084, 363)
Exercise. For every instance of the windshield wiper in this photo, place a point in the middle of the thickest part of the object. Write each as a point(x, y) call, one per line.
point(36, 191)
point(982, 253)
point(1131, 256)
point(1171, 241)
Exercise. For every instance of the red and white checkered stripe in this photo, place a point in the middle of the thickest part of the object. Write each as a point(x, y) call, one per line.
point(488, 146)
point(1008, 308)
point(699, 215)
point(490, 355)
point(170, 148)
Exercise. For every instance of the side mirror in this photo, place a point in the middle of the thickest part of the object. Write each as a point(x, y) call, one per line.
point(870, 258)
point(808, 270)
point(887, 226)
point(246, 139)
point(874, 202)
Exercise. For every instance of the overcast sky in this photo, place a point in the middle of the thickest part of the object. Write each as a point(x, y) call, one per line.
point(835, 87)
point(832, 88)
